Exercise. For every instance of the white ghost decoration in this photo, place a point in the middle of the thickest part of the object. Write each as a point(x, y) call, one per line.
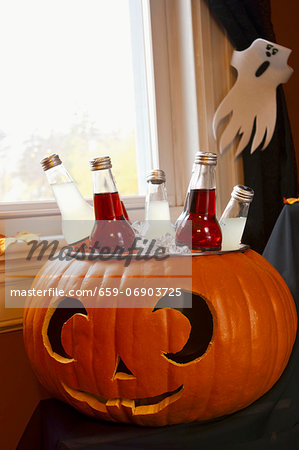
point(261, 68)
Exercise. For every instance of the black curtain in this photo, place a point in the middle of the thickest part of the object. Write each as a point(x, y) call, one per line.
point(271, 173)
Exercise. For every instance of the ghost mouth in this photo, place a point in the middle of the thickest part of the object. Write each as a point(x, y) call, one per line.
point(138, 406)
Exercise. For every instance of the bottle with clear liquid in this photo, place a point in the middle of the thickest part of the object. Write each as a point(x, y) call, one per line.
point(157, 214)
point(199, 229)
point(111, 229)
point(76, 214)
point(234, 217)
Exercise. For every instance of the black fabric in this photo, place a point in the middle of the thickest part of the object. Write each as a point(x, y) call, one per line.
point(271, 173)
point(259, 427)
point(282, 250)
point(271, 423)
point(244, 21)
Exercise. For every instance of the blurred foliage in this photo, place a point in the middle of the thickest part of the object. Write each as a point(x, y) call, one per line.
point(75, 148)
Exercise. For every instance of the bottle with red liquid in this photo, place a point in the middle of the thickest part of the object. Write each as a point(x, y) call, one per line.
point(199, 228)
point(184, 212)
point(125, 212)
point(111, 231)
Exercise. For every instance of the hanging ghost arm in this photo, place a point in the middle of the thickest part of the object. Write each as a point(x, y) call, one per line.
point(252, 99)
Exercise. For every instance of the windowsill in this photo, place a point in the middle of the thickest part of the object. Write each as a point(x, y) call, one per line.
point(18, 250)
point(10, 318)
point(34, 216)
point(49, 207)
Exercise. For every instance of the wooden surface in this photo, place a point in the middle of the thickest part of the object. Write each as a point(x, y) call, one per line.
point(20, 392)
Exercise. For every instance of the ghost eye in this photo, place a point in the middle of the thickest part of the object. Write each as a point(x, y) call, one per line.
point(274, 51)
point(269, 46)
point(194, 307)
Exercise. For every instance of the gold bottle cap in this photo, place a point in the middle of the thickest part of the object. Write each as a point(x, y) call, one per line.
point(243, 193)
point(156, 176)
point(100, 163)
point(50, 161)
point(206, 158)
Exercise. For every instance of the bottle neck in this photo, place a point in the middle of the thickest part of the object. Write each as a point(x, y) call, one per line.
point(58, 175)
point(107, 204)
point(103, 182)
point(201, 196)
point(156, 192)
point(157, 207)
point(235, 209)
point(203, 177)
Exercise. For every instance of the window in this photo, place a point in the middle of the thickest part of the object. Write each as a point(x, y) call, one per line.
point(174, 65)
point(137, 79)
point(73, 82)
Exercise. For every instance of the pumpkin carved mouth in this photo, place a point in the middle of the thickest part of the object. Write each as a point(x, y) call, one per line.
point(138, 406)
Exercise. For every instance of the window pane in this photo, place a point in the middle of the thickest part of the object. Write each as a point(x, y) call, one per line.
point(66, 87)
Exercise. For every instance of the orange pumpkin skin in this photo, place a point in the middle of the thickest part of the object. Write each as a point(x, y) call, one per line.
point(254, 329)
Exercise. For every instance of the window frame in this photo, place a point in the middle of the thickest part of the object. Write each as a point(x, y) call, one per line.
point(190, 74)
point(180, 103)
point(145, 123)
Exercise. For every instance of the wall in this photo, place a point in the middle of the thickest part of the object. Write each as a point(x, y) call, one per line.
point(285, 22)
point(20, 392)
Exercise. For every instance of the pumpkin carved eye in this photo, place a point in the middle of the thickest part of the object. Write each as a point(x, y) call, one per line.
point(201, 320)
point(66, 309)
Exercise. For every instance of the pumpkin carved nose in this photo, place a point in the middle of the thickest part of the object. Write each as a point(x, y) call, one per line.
point(122, 372)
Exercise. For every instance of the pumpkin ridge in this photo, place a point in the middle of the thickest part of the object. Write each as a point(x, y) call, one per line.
point(54, 384)
point(287, 332)
point(247, 305)
point(212, 360)
point(55, 355)
point(286, 307)
point(226, 266)
point(93, 371)
point(74, 347)
point(274, 333)
point(277, 278)
point(211, 381)
point(90, 274)
point(272, 369)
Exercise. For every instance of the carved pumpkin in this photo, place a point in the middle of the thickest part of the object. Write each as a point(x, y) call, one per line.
point(160, 365)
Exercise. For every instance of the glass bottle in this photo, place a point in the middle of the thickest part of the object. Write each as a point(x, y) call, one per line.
point(125, 212)
point(199, 228)
point(234, 217)
point(157, 214)
point(184, 212)
point(111, 229)
point(76, 214)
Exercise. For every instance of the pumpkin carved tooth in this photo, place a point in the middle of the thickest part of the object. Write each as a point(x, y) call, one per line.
point(141, 406)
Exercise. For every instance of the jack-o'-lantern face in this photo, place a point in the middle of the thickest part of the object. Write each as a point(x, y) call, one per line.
point(129, 369)
point(168, 363)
